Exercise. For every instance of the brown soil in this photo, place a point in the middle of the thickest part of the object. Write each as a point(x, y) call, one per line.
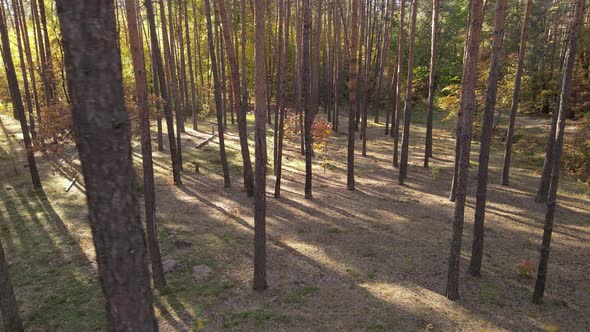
point(374, 259)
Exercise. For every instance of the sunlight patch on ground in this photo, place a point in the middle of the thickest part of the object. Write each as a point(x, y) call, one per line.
point(420, 300)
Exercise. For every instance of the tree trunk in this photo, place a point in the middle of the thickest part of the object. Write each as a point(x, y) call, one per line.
point(403, 169)
point(235, 85)
point(157, 56)
point(102, 129)
point(17, 102)
point(279, 86)
point(217, 92)
point(515, 97)
point(558, 150)
point(486, 136)
point(260, 147)
point(466, 109)
point(283, 97)
point(8, 307)
point(431, 82)
point(353, 91)
point(397, 81)
point(136, 47)
point(308, 102)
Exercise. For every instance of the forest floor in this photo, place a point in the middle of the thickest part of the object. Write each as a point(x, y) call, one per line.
point(374, 259)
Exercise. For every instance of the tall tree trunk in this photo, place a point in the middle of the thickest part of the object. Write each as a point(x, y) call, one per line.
point(466, 109)
point(515, 97)
point(17, 102)
point(20, 41)
point(353, 92)
point(283, 97)
point(431, 82)
point(403, 169)
point(260, 147)
point(486, 136)
point(558, 150)
point(194, 110)
point(103, 134)
point(315, 64)
point(337, 64)
point(217, 92)
point(235, 84)
point(8, 307)
point(308, 102)
point(244, 90)
point(157, 57)
point(397, 81)
point(136, 46)
point(279, 85)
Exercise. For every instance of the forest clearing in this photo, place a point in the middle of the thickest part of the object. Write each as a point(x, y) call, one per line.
point(372, 259)
point(294, 165)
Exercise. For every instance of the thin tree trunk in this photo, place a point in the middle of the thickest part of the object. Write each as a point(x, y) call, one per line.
point(431, 82)
point(486, 136)
point(353, 93)
point(466, 109)
point(397, 81)
point(403, 169)
point(515, 97)
point(8, 307)
point(20, 40)
point(217, 92)
point(558, 150)
point(260, 147)
point(283, 77)
point(308, 102)
point(17, 102)
point(280, 86)
point(157, 56)
point(235, 84)
point(103, 134)
point(136, 46)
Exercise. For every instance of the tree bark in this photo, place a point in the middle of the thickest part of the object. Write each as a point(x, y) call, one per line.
point(353, 92)
point(486, 136)
point(136, 47)
point(217, 92)
point(102, 129)
point(17, 102)
point(466, 109)
point(309, 103)
point(431, 81)
point(8, 307)
point(235, 85)
point(283, 97)
point(260, 147)
point(515, 97)
point(157, 56)
point(558, 150)
point(397, 82)
point(403, 169)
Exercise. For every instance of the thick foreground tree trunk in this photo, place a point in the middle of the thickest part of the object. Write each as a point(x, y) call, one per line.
point(102, 129)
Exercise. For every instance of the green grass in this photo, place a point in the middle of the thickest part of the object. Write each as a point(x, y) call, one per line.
point(258, 316)
point(298, 294)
